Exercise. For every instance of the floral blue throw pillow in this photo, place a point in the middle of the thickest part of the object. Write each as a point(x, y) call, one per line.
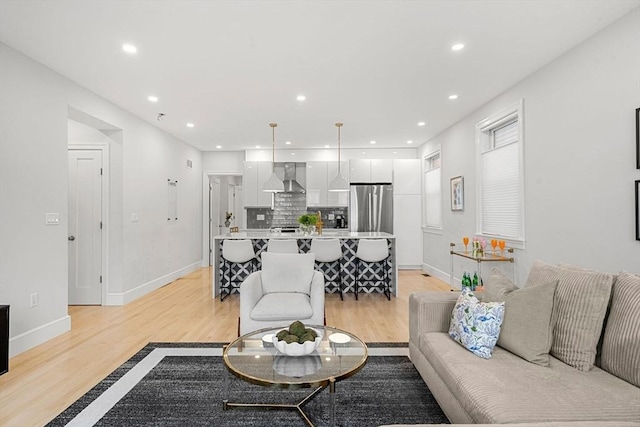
point(475, 324)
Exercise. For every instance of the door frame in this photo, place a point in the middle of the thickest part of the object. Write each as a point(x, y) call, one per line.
point(205, 211)
point(104, 148)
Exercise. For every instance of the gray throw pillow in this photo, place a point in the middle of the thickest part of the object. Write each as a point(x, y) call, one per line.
point(580, 305)
point(526, 330)
point(621, 344)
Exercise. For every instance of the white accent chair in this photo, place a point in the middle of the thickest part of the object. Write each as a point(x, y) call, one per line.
point(283, 246)
point(369, 253)
point(286, 289)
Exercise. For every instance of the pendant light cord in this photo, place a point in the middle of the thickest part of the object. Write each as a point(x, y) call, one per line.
point(339, 125)
point(273, 142)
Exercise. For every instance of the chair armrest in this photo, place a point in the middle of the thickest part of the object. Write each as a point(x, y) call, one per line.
point(430, 312)
point(317, 294)
point(250, 294)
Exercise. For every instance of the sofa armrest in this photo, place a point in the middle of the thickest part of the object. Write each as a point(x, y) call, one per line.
point(430, 312)
point(317, 295)
point(250, 293)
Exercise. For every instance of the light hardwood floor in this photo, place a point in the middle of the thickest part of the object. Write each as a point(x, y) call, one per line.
point(45, 380)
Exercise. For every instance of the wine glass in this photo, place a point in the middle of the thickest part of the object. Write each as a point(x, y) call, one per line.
point(501, 244)
point(494, 243)
point(465, 240)
point(483, 245)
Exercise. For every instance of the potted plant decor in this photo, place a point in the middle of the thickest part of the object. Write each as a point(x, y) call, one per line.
point(307, 223)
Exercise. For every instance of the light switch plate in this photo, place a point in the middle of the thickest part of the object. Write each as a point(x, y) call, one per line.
point(134, 217)
point(52, 219)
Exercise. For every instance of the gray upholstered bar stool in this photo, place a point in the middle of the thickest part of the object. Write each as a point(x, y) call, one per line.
point(240, 253)
point(283, 246)
point(329, 252)
point(372, 253)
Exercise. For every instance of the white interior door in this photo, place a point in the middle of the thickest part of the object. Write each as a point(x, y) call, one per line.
point(85, 227)
point(214, 214)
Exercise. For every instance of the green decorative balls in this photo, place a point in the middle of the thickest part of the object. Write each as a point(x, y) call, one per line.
point(297, 332)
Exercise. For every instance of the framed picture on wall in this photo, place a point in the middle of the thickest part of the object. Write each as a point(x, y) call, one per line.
point(638, 210)
point(457, 193)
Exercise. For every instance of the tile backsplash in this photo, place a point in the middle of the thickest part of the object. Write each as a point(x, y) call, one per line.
point(288, 209)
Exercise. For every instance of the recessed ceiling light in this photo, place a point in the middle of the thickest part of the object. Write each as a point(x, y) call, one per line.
point(454, 96)
point(190, 125)
point(129, 48)
point(288, 142)
point(257, 146)
point(364, 152)
point(457, 46)
point(326, 146)
point(218, 146)
point(293, 154)
point(372, 142)
point(421, 123)
point(153, 98)
point(301, 98)
point(409, 142)
point(394, 152)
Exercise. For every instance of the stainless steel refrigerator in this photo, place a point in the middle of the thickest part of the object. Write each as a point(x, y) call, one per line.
point(371, 207)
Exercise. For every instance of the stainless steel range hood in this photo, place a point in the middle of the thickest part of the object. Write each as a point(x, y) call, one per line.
point(290, 183)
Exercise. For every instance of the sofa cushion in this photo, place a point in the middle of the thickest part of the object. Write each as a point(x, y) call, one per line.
point(476, 325)
point(621, 343)
point(506, 389)
point(287, 272)
point(580, 305)
point(526, 329)
point(272, 307)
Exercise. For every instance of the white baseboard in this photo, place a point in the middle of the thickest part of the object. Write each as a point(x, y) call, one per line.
point(444, 276)
point(122, 298)
point(37, 336)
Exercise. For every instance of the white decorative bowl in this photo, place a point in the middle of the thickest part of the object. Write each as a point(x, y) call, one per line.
point(297, 349)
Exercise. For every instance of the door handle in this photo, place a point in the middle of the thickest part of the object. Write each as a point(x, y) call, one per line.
point(72, 238)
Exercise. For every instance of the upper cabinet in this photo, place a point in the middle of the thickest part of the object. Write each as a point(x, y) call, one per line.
point(319, 175)
point(254, 177)
point(316, 184)
point(407, 176)
point(365, 170)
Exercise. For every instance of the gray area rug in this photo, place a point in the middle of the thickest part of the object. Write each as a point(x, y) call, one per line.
point(187, 391)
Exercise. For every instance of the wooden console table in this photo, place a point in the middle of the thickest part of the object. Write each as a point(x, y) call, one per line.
point(487, 257)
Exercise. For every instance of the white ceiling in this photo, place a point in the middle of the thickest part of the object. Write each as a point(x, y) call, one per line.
point(232, 67)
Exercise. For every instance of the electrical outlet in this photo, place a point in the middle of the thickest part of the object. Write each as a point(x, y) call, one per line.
point(34, 299)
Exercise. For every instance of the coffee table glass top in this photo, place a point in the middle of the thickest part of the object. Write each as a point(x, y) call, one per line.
point(254, 358)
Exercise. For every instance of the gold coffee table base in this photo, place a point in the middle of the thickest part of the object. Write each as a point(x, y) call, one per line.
point(298, 406)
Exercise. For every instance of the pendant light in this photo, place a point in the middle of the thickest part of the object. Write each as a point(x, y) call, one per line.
point(273, 184)
point(339, 183)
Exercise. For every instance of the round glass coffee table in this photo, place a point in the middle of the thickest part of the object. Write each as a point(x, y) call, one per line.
point(254, 358)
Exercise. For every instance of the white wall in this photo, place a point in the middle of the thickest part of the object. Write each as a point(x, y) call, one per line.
point(579, 135)
point(34, 109)
point(223, 162)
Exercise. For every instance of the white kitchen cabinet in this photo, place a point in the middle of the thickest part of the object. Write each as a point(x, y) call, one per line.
point(370, 171)
point(250, 181)
point(264, 172)
point(337, 198)
point(254, 176)
point(407, 229)
point(316, 189)
point(407, 176)
point(382, 170)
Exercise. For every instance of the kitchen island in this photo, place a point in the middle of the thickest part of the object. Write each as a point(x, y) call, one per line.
point(348, 241)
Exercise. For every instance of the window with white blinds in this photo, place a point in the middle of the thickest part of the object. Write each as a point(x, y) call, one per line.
point(432, 191)
point(500, 176)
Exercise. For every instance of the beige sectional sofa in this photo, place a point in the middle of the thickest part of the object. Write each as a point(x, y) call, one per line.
point(507, 389)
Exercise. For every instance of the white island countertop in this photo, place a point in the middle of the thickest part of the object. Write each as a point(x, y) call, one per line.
point(341, 234)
